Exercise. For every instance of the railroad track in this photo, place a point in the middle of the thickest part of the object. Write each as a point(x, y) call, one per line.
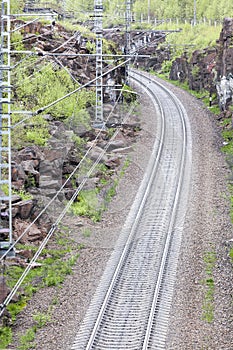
point(130, 309)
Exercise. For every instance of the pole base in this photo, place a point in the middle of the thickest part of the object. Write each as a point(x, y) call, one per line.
point(99, 125)
point(4, 247)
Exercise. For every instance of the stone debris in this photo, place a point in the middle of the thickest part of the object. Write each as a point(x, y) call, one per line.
point(33, 234)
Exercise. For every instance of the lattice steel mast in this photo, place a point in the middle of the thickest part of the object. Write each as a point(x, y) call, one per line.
point(98, 27)
point(5, 129)
point(128, 16)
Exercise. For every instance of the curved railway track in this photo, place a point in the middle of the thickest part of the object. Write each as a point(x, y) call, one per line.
point(130, 309)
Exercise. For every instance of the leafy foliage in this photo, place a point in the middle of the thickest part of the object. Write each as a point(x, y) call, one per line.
point(78, 117)
point(56, 263)
point(27, 340)
point(36, 132)
point(183, 9)
point(46, 85)
point(80, 5)
point(111, 191)
point(231, 255)
point(160, 9)
point(37, 85)
point(5, 336)
point(87, 205)
point(191, 38)
point(128, 94)
point(42, 319)
point(17, 6)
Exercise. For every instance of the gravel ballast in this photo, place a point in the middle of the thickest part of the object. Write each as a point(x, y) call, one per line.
point(207, 229)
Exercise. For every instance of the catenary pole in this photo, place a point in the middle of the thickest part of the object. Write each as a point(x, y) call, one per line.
point(127, 34)
point(5, 129)
point(98, 27)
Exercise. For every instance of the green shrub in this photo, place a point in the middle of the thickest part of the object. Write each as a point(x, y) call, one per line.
point(166, 67)
point(5, 337)
point(128, 94)
point(55, 265)
point(41, 319)
point(15, 308)
point(79, 117)
point(87, 205)
point(48, 84)
point(27, 340)
point(17, 6)
point(111, 191)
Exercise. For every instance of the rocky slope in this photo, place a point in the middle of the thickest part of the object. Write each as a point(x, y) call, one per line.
point(39, 172)
point(210, 69)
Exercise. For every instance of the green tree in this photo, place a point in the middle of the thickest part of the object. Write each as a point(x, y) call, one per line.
point(46, 85)
point(17, 6)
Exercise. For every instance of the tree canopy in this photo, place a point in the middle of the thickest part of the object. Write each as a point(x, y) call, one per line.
point(160, 9)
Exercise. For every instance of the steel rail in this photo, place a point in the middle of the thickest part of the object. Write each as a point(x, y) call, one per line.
point(158, 322)
point(169, 235)
point(98, 302)
point(161, 316)
point(108, 303)
point(129, 240)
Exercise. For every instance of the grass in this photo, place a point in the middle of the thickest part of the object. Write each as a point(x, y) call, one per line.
point(22, 193)
point(5, 336)
point(86, 232)
point(57, 271)
point(87, 205)
point(88, 202)
point(191, 38)
point(42, 319)
point(56, 263)
point(15, 308)
point(208, 304)
point(231, 255)
point(111, 191)
point(125, 166)
point(230, 187)
point(27, 340)
point(209, 258)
